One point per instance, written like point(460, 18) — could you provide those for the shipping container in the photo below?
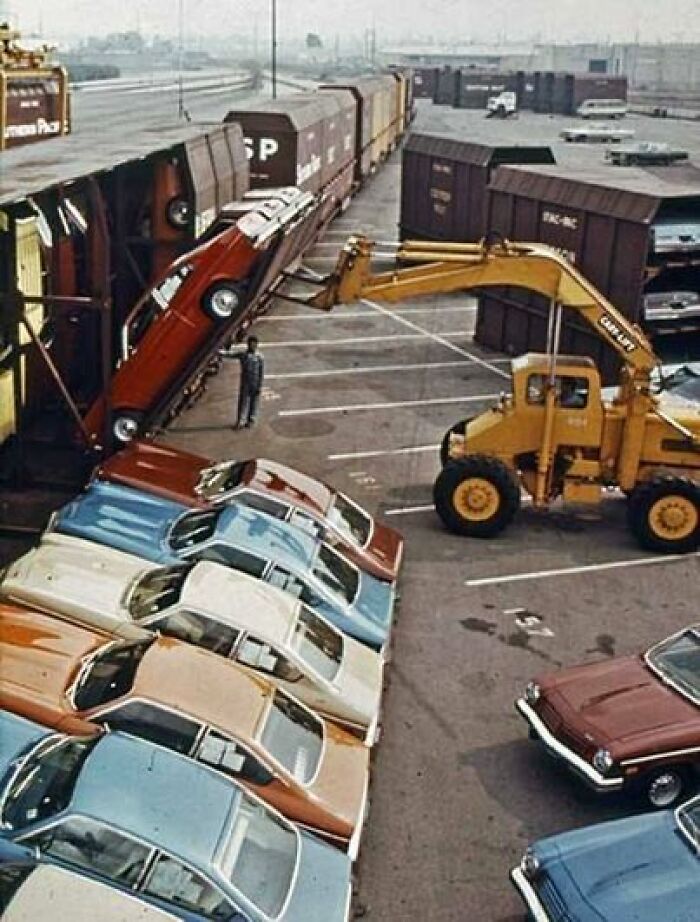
point(473, 88)
point(570, 90)
point(446, 86)
point(625, 233)
point(444, 185)
point(425, 82)
point(525, 89)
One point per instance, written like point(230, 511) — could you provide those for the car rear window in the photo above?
point(157, 590)
point(318, 644)
point(215, 481)
point(107, 675)
point(193, 528)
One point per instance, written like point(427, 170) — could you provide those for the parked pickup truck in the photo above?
point(645, 153)
point(596, 131)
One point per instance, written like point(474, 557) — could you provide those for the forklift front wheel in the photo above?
point(476, 496)
point(664, 515)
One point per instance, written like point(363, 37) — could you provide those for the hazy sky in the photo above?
point(457, 20)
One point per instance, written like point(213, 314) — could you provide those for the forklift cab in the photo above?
point(578, 404)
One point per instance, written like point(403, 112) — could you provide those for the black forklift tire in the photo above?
point(495, 496)
point(458, 428)
point(222, 301)
point(664, 514)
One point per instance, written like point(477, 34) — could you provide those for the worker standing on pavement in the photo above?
point(251, 382)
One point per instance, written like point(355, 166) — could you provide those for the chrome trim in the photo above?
point(575, 761)
point(676, 815)
point(348, 902)
point(527, 892)
point(373, 731)
point(361, 820)
point(670, 754)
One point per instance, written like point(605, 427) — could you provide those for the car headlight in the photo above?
point(532, 693)
point(178, 212)
point(603, 761)
point(530, 864)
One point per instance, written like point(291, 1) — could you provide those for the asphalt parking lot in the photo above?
point(361, 397)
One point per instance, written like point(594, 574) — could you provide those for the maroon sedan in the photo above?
point(629, 723)
point(264, 485)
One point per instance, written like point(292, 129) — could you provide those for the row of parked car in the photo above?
point(192, 669)
point(629, 724)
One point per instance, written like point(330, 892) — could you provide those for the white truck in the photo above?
point(503, 105)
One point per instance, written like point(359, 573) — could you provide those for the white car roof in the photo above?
point(248, 602)
point(66, 573)
point(54, 892)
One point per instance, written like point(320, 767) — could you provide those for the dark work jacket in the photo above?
point(252, 371)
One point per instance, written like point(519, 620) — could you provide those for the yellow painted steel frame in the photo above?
point(448, 267)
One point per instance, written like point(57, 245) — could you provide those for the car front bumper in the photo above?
point(534, 907)
point(558, 750)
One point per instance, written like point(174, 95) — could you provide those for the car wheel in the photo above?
point(665, 787)
point(126, 425)
point(664, 514)
point(222, 301)
point(476, 496)
point(459, 429)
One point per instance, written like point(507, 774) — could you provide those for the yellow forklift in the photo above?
point(553, 435)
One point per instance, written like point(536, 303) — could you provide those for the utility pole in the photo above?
point(274, 48)
point(181, 59)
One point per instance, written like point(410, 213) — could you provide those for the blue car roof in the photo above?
point(16, 735)
point(157, 795)
point(121, 517)
point(266, 536)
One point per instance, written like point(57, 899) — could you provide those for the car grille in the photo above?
point(571, 738)
point(553, 903)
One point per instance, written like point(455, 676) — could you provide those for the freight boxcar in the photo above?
point(444, 185)
point(446, 86)
point(570, 90)
point(424, 82)
point(34, 102)
point(473, 88)
point(630, 235)
point(377, 128)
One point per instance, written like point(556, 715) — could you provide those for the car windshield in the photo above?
point(340, 577)
point(318, 644)
point(107, 675)
point(193, 528)
point(350, 520)
point(152, 305)
point(689, 821)
point(293, 736)
point(44, 785)
point(260, 856)
point(219, 479)
point(678, 660)
point(157, 590)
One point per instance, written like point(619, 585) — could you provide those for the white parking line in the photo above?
point(572, 571)
point(410, 510)
point(351, 455)
point(351, 315)
point(372, 369)
point(354, 340)
point(342, 408)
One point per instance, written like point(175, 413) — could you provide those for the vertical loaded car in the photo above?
point(269, 486)
point(186, 312)
point(237, 537)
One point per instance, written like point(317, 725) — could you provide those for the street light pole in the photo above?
point(274, 49)
point(180, 56)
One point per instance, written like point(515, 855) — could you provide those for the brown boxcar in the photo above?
point(446, 86)
point(525, 89)
point(625, 233)
point(376, 119)
point(570, 90)
point(473, 88)
point(444, 185)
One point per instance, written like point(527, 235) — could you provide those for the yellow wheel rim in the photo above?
point(476, 499)
point(673, 517)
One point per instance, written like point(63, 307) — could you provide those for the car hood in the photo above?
point(639, 869)
point(386, 548)
point(619, 700)
point(375, 601)
point(342, 778)
point(120, 517)
point(360, 682)
point(321, 886)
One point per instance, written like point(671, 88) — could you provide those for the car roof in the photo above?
point(16, 734)
point(202, 685)
point(266, 536)
point(39, 654)
point(55, 891)
point(291, 485)
point(247, 601)
point(157, 795)
point(73, 571)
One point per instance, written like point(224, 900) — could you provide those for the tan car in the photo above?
point(227, 612)
point(197, 704)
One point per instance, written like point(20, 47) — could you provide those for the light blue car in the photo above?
point(239, 537)
point(172, 832)
point(640, 869)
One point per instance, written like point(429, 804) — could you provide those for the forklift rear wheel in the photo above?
point(459, 428)
point(222, 300)
point(476, 496)
point(664, 514)
point(126, 425)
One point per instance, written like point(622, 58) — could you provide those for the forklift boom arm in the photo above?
point(445, 267)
